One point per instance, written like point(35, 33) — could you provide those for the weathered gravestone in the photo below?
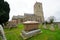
point(58, 25)
point(11, 24)
point(52, 27)
point(2, 33)
point(45, 26)
point(30, 29)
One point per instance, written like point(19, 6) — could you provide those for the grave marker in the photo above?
point(2, 33)
point(30, 29)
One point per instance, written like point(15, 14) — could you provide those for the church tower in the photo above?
point(38, 10)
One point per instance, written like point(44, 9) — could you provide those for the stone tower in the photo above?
point(38, 10)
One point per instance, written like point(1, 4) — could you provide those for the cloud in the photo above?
point(51, 7)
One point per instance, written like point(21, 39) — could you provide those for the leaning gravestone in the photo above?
point(30, 29)
point(2, 33)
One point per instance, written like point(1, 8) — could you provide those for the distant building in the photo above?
point(37, 16)
point(31, 17)
point(38, 10)
point(19, 19)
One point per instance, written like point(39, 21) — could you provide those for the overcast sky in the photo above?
point(19, 7)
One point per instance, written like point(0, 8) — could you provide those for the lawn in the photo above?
point(14, 34)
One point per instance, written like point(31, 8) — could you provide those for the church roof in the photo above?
point(16, 17)
point(19, 16)
point(26, 14)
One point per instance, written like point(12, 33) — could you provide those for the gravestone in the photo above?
point(2, 33)
point(58, 26)
point(30, 29)
point(52, 27)
point(45, 27)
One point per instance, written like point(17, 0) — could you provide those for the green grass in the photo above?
point(14, 34)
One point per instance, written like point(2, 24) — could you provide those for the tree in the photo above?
point(4, 12)
point(51, 19)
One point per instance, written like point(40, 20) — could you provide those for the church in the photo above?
point(37, 16)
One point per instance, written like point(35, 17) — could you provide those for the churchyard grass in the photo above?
point(14, 34)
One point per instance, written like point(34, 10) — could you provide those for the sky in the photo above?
point(19, 7)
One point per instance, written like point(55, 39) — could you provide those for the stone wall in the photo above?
point(11, 24)
point(32, 18)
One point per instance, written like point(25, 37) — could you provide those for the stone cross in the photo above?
point(2, 33)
